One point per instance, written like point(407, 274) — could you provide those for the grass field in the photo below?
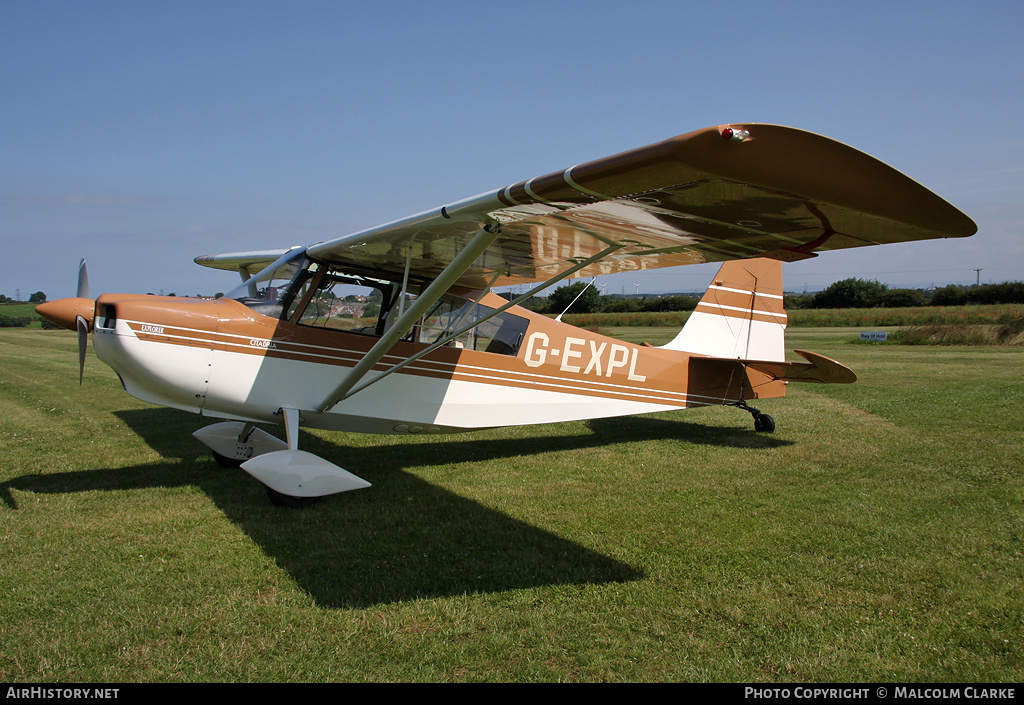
point(876, 536)
point(18, 309)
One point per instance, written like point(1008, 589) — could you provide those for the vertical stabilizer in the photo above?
point(740, 316)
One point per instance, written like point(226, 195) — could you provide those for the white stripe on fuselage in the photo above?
point(244, 345)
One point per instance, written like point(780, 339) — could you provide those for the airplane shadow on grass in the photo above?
point(402, 539)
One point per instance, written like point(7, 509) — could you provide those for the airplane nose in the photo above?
point(64, 312)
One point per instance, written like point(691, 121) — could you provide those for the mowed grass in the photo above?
point(876, 536)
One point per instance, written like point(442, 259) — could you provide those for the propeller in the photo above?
point(83, 280)
point(80, 323)
point(83, 346)
point(74, 314)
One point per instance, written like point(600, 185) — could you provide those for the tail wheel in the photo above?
point(763, 423)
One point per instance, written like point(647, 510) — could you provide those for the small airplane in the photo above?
point(396, 329)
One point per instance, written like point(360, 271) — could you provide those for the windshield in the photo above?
point(269, 291)
point(349, 302)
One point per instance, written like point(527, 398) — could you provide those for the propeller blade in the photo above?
point(83, 344)
point(83, 280)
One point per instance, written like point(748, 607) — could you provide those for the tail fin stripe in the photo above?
point(745, 300)
point(747, 292)
point(744, 309)
point(743, 313)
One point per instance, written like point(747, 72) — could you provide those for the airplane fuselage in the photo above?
point(221, 359)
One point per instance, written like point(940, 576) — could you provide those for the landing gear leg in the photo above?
point(226, 461)
point(295, 478)
point(234, 442)
point(763, 423)
point(291, 431)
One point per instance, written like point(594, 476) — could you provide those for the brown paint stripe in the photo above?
point(422, 368)
point(743, 299)
point(757, 315)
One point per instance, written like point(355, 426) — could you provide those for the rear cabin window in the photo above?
point(501, 334)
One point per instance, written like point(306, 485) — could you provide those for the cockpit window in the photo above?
point(500, 334)
point(349, 302)
point(336, 299)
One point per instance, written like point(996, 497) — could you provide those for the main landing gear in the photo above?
point(286, 500)
point(763, 423)
point(293, 478)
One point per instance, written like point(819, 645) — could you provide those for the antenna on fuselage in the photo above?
point(590, 283)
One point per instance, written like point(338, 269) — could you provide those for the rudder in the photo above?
point(740, 316)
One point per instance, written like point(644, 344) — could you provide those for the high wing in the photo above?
point(721, 193)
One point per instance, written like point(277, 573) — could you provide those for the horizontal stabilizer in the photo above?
point(818, 368)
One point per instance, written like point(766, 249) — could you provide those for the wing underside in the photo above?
point(770, 191)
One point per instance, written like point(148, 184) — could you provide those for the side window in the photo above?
point(501, 334)
point(357, 303)
point(347, 303)
point(506, 335)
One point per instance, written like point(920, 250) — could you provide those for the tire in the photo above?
point(226, 462)
point(287, 500)
point(763, 423)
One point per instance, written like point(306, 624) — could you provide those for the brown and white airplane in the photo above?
point(395, 329)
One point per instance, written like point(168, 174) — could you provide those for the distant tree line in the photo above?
point(1005, 293)
point(20, 321)
point(870, 293)
point(581, 297)
point(848, 293)
point(36, 298)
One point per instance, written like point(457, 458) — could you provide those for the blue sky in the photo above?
point(141, 134)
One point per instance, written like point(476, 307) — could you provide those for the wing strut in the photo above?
point(405, 277)
point(451, 273)
point(514, 302)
